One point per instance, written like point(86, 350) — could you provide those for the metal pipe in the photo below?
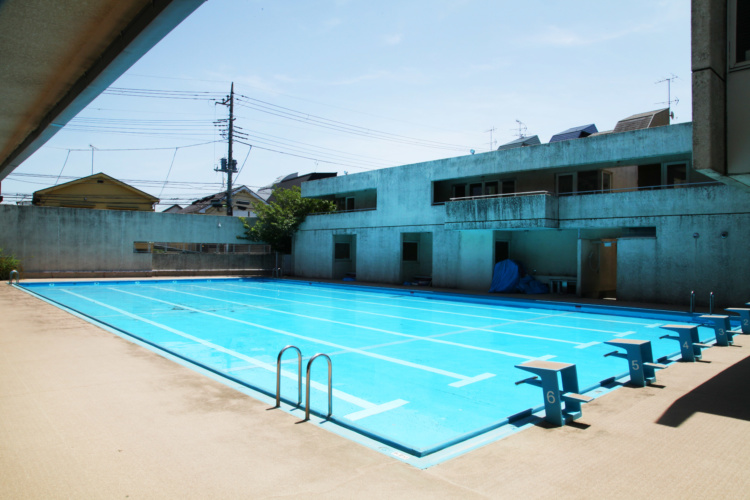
point(711, 303)
point(692, 301)
point(10, 281)
point(330, 386)
point(299, 375)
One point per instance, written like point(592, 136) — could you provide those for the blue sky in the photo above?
point(350, 85)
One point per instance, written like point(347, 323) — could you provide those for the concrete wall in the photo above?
point(709, 65)
point(552, 236)
point(51, 239)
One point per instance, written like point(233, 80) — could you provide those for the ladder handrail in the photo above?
point(299, 375)
point(10, 280)
point(330, 386)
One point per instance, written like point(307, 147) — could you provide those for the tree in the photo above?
point(279, 220)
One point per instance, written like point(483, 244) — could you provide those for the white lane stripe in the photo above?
point(310, 339)
point(468, 381)
point(518, 310)
point(507, 320)
point(545, 358)
point(584, 346)
point(260, 364)
point(377, 314)
point(380, 330)
point(624, 334)
point(375, 410)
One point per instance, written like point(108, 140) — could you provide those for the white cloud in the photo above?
point(555, 35)
point(394, 39)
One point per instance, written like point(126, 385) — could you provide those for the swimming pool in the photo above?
point(418, 371)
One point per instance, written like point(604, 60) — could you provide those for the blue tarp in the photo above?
point(510, 277)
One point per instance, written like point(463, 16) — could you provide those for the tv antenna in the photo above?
point(521, 133)
point(669, 100)
point(492, 143)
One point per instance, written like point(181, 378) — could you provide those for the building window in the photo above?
point(502, 251)
point(342, 251)
point(350, 203)
point(509, 187)
point(490, 188)
point(676, 174)
point(739, 33)
point(410, 251)
point(565, 184)
point(459, 190)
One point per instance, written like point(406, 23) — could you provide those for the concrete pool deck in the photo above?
point(87, 414)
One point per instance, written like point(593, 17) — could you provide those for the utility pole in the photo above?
point(228, 164)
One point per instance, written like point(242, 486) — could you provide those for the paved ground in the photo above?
point(86, 414)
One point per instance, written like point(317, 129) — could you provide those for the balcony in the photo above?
point(535, 209)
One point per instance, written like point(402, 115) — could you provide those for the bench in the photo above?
point(423, 280)
point(553, 396)
point(559, 284)
point(640, 360)
point(690, 345)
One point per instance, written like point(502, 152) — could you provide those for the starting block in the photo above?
point(744, 317)
point(553, 397)
point(640, 360)
point(690, 344)
point(722, 330)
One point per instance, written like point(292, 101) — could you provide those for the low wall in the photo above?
point(73, 242)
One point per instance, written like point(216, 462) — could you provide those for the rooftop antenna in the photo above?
point(492, 143)
point(669, 100)
point(521, 129)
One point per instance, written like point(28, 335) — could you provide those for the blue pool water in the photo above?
point(419, 371)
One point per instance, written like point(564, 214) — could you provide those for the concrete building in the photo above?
point(289, 181)
point(601, 215)
point(721, 90)
point(216, 204)
point(98, 191)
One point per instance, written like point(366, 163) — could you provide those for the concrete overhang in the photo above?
point(59, 55)
point(637, 147)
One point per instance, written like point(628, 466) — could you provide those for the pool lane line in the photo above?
point(376, 410)
point(390, 332)
point(518, 310)
point(310, 339)
point(512, 334)
point(445, 334)
point(349, 398)
point(509, 320)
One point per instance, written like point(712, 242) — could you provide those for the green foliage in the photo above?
point(280, 219)
point(7, 264)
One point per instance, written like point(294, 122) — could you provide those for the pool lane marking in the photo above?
point(468, 381)
point(509, 320)
point(383, 315)
point(375, 410)
point(584, 346)
point(654, 325)
point(380, 330)
point(311, 339)
point(625, 334)
point(518, 310)
point(260, 364)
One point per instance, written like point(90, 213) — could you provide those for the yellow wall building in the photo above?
point(98, 191)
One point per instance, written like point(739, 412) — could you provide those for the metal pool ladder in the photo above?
point(10, 281)
point(299, 375)
point(299, 380)
point(330, 390)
